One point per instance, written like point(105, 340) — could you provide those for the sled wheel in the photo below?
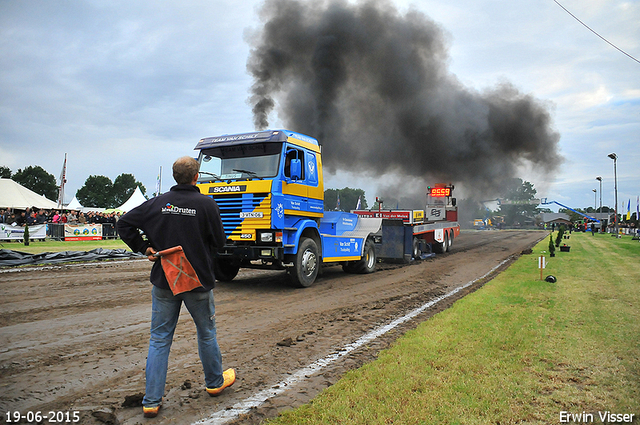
point(417, 252)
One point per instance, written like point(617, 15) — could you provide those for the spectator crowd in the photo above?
point(33, 216)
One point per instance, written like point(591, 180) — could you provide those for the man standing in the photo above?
point(187, 218)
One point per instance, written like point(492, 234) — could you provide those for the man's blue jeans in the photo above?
point(164, 317)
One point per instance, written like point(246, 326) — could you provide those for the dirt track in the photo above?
point(75, 338)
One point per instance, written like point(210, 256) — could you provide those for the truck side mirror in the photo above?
point(296, 169)
point(453, 202)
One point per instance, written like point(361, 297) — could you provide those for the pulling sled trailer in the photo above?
point(431, 230)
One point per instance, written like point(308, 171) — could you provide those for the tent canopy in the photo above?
point(74, 205)
point(14, 195)
point(136, 199)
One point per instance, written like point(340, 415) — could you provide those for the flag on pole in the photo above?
point(629, 210)
point(338, 203)
point(358, 204)
point(638, 208)
point(159, 182)
point(63, 180)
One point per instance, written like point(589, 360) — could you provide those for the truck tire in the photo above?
point(307, 263)
point(367, 264)
point(417, 252)
point(446, 244)
point(225, 270)
point(440, 247)
point(349, 267)
point(449, 241)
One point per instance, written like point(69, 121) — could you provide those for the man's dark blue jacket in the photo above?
point(182, 216)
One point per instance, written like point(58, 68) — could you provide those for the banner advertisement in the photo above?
point(16, 233)
point(82, 232)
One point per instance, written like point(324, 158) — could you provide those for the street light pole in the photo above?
point(615, 185)
point(600, 180)
point(602, 229)
point(595, 199)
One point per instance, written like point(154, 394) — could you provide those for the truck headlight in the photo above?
point(266, 237)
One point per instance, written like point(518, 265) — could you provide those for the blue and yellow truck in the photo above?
point(269, 187)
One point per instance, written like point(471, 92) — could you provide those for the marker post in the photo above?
point(542, 264)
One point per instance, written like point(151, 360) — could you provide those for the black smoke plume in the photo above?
point(373, 86)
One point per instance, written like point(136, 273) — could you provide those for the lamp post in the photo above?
point(615, 185)
point(600, 180)
point(595, 199)
point(602, 229)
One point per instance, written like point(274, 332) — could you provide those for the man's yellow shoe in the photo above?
point(150, 412)
point(229, 376)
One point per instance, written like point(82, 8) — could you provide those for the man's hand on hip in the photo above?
point(150, 253)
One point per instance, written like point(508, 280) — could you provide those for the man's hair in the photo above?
point(185, 169)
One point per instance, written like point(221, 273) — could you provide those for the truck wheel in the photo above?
point(449, 241)
point(417, 252)
point(367, 264)
point(306, 264)
point(349, 267)
point(440, 247)
point(225, 270)
point(446, 244)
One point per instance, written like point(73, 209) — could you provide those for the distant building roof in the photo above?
point(555, 217)
point(601, 216)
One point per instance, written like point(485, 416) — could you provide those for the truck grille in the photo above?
point(232, 205)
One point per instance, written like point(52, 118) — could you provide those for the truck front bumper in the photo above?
point(252, 252)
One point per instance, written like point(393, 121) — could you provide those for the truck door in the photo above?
point(315, 190)
point(295, 188)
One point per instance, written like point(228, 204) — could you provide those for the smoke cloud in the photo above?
point(373, 86)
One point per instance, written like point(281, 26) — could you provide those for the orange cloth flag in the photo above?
point(178, 270)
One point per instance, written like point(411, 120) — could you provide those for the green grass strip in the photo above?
point(519, 350)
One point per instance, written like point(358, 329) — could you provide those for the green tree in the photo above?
point(96, 192)
point(5, 172)
point(123, 187)
point(348, 199)
point(37, 179)
point(518, 207)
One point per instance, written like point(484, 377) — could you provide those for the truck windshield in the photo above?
point(259, 160)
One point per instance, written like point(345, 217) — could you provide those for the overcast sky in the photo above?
point(129, 86)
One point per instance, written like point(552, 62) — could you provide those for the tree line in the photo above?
point(97, 191)
point(348, 199)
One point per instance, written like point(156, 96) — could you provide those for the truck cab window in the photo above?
point(293, 154)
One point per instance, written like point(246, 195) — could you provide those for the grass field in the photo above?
point(38, 247)
point(519, 350)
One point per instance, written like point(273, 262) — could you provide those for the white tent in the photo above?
point(74, 205)
point(136, 199)
point(14, 195)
